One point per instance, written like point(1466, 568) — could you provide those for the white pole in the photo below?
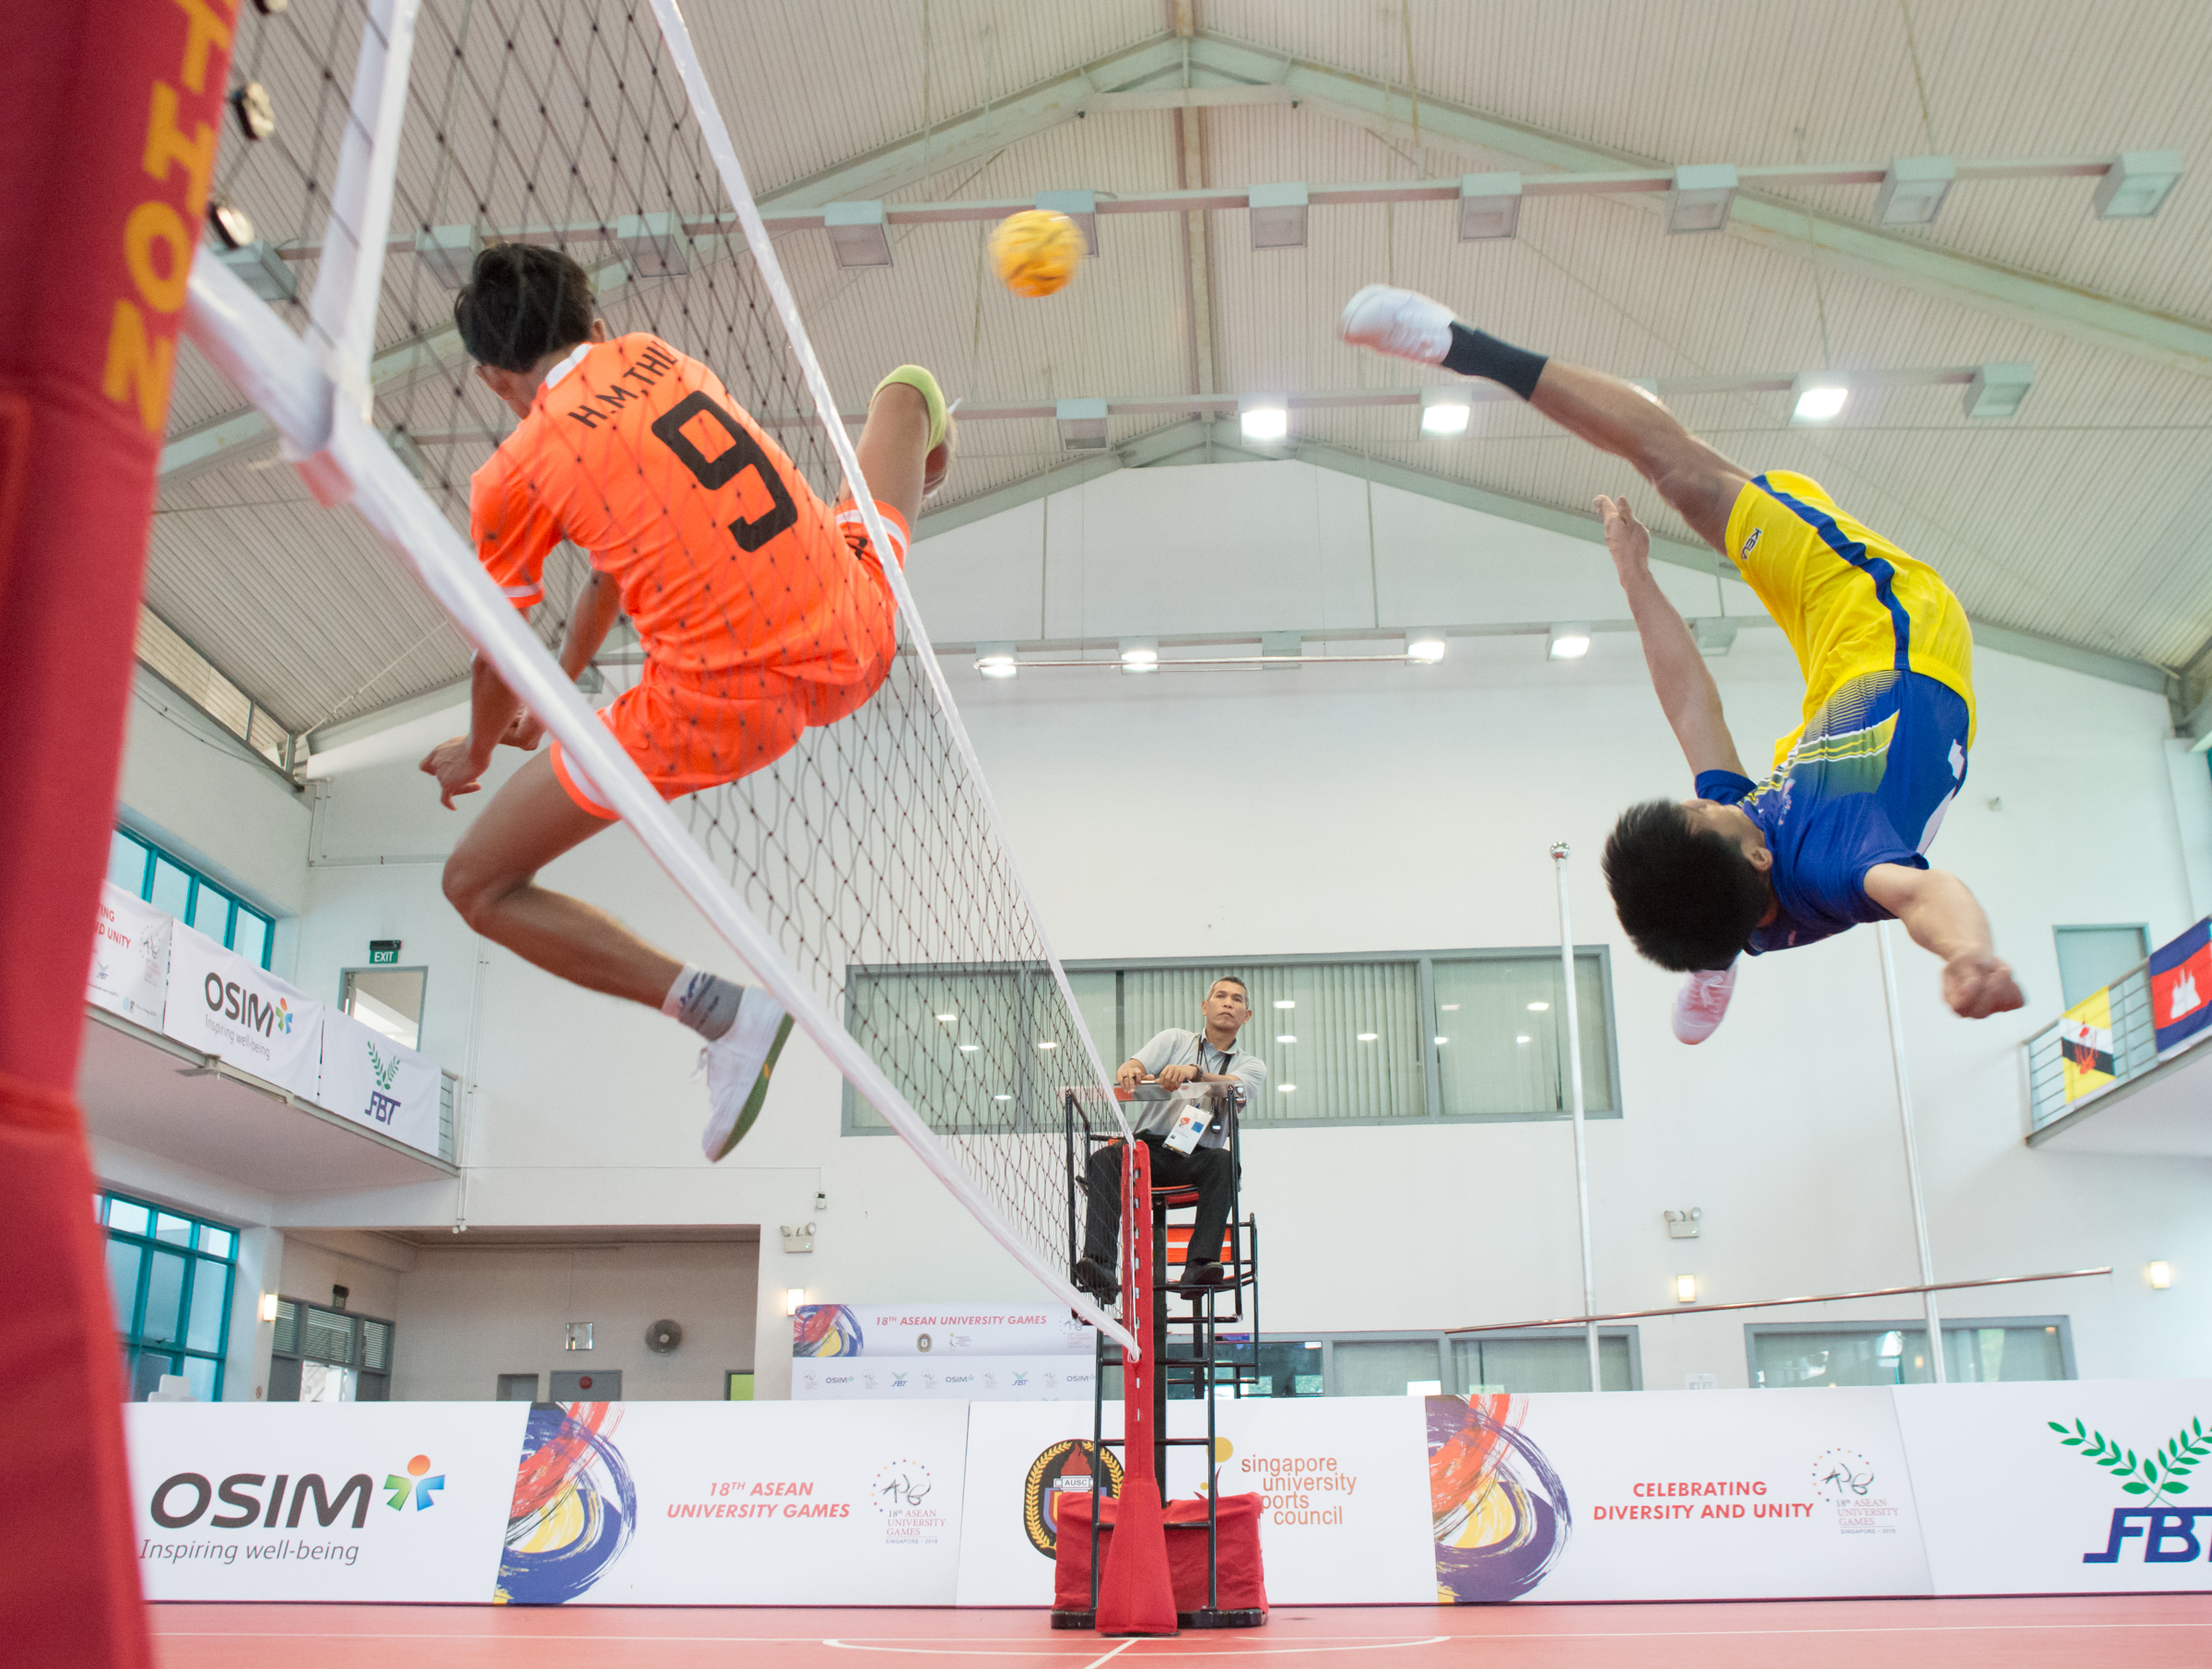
point(1904, 1113)
point(1574, 1081)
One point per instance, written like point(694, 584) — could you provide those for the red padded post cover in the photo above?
point(1243, 1584)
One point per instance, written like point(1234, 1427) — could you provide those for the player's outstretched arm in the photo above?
point(1687, 692)
point(1944, 918)
point(598, 606)
point(459, 763)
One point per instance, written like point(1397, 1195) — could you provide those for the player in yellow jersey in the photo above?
point(1836, 834)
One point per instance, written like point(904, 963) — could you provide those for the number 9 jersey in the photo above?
point(760, 609)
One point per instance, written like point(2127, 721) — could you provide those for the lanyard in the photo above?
point(1227, 1055)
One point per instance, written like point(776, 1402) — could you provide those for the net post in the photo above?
point(1136, 1596)
point(1573, 1051)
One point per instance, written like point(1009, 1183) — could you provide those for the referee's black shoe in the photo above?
point(1197, 1275)
point(1094, 1277)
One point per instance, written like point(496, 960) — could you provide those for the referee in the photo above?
point(1173, 1058)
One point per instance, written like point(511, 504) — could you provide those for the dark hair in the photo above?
point(522, 302)
point(1230, 979)
point(1687, 895)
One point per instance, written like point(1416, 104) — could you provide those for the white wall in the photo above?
point(1391, 808)
point(466, 1316)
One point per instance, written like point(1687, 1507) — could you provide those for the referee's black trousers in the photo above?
point(1211, 1171)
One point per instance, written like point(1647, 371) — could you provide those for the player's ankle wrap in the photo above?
point(1477, 353)
point(919, 379)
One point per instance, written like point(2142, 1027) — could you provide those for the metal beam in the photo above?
point(2083, 315)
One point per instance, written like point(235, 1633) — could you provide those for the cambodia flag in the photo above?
point(2180, 986)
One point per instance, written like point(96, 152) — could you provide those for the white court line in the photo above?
point(1097, 1663)
point(1360, 1643)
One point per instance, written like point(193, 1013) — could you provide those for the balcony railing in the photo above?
point(2134, 1051)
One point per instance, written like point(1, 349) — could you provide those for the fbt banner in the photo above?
point(226, 1006)
point(379, 1084)
point(130, 957)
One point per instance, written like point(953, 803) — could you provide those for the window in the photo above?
point(1469, 1035)
point(2089, 958)
point(1415, 1364)
point(170, 1279)
point(387, 999)
point(1552, 1358)
point(1896, 1353)
point(329, 1356)
point(184, 669)
point(138, 866)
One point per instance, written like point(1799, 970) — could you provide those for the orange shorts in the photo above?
point(688, 731)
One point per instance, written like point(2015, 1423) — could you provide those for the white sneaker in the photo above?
point(1398, 322)
point(737, 1064)
point(1701, 1001)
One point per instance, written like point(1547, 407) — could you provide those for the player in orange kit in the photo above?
point(761, 611)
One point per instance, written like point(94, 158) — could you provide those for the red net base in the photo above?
point(1243, 1586)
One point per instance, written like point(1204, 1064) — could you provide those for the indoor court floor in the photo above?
point(2147, 1631)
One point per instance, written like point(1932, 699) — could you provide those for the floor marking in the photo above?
point(1117, 1651)
point(1341, 1643)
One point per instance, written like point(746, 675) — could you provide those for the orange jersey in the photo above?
point(726, 560)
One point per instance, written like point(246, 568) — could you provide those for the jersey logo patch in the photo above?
point(1751, 542)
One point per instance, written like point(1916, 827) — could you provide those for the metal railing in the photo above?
point(2134, 1051)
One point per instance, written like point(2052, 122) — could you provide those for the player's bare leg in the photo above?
point(491, 879)
point(906, 444)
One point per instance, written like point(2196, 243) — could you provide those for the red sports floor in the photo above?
point(2143, 1632)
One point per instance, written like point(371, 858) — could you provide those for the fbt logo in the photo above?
point(2167, 1533)
point(234, 1001)
point(382, 1103)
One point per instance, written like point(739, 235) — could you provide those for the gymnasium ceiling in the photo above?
point(2084, 520)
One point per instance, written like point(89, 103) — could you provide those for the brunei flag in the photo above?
point(2180, 986)
point(2084, 1042)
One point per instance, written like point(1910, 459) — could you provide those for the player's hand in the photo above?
point(1627, 539)
point(525, 731)
point(1175, 1077)
point(455, 771)
point(1977, 985)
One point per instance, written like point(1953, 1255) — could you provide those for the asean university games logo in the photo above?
point(418, 1482)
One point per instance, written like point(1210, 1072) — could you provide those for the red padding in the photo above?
point(1243, 1584)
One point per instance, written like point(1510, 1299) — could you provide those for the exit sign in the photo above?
point(383, 953)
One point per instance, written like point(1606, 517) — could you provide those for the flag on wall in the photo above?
point(2180, 986)
point(2085, 1038)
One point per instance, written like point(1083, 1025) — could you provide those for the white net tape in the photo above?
point(864, 874)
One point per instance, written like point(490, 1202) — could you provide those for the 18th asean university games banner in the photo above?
point(2057, 1488)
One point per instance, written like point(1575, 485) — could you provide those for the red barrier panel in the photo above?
point(112, 112)
point(1243, 1584)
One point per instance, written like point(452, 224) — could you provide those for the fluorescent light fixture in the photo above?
point(858, 236)
point(1286, 1002)
point(1445, 411)
point(1368, 1037)
point(1913, 189)
point(1286, 1037)
point(1716, 634)
point(1082, 207)
point(1442, 1041)
point(1816, 396)
point(1048, 1043)
point(266, 272)
point(1523, 1039)
point(1538, 1007)
point(1278, 215)
point(658, 246)
point(2135, 187)
point(996, 660)
point(2160, 1274)
point(1569, 641)
point(970, 1048)
point(1286, 1089)
point(268, 1306)
point(1997, 390)
point(1002, 1098)
point(1489, 206)
point(793, 1298)
point(1082, 423)
point(949, 1020)
point(1686, 1290)
point(1426, 644)
point(1140, 654)
point(1449, 1007)
point(1702, 197)
point(1263, 418)
point(449, 253)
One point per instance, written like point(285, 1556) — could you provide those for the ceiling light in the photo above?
point(1913, 189)
point(1278, 215)
point(1082, 207)
point(1285, 1089)
point(1521, 1039)
point(266, 273)
point(1368, 1037)
point(948, 1019)
point(858, 236)
point(1047, 1043)
point(1570, 643)
point(1445, 411)
point(1286, 1037)
point(1140, 654)
point(2135, 187)
point(1702, 197)
point(970, 1048)
point(1002, 1098)
point(1449, 1007)
point(1286, 1002)
point(1263, 418)
point(1997, 390)
point(1426, 644)
point(1686, 1290)
point(1489, 205)
point(1715, 634)
point(996, 660)
point(1817, 396)
point(1082, 423)
point(2160, 1274)
point(1442, 1041)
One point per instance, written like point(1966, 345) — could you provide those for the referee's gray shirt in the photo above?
point(1175, 1047)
